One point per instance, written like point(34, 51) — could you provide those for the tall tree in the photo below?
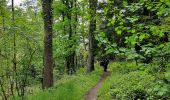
point(70, 58)
point(48, 55)
point(68, 14)
point(92, 28)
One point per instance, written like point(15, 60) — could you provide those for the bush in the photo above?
point(138, 94)
point(131, 82)
point(133, 85)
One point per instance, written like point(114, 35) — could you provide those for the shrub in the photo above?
point(131, 82)
point(132, 85)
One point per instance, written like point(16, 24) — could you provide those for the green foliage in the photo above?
point(129, 22)
point(129, 81)
point(70, 87)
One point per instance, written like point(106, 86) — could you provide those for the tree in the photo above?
point(70, 58)
point(15, 52)
point(48, 55)
point(68, 10)
point(92, 28)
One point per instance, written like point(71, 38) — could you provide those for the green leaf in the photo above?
point(119, 32)
point(133, 31)
point(149, 7)
point(141, 37)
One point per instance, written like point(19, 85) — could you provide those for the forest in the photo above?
point(84, 49)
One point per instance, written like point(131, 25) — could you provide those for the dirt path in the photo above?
point(92, 94)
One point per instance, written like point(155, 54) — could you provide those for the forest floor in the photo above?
point(92, 93)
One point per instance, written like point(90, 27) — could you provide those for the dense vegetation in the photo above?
point(138, 82)
point(52, 49)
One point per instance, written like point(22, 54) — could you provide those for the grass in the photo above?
point(104, 92)
point(72, 87)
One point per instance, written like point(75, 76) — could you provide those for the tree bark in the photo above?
point(92, 28)
point(48, 55)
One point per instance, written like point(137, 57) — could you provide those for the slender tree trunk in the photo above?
point(70, 59)
point(92, 29)
point(15, 52)
point(75, 29)
point(64, 30)
point(14, 39)
point(25, 79)
point(48, 55)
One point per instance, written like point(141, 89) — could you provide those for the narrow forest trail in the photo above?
point(92, 93)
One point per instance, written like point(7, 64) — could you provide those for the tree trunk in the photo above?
point(14, 37)
point(75, 32)
point(48, 55)
point(15, 53)
point(70, 59)
point(92, 28)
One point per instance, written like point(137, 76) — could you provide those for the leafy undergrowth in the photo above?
point(70, 87)
point(131, 82)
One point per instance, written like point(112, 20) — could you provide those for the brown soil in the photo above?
point(92, 94)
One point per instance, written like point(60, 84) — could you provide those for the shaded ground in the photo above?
point(92, 94)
